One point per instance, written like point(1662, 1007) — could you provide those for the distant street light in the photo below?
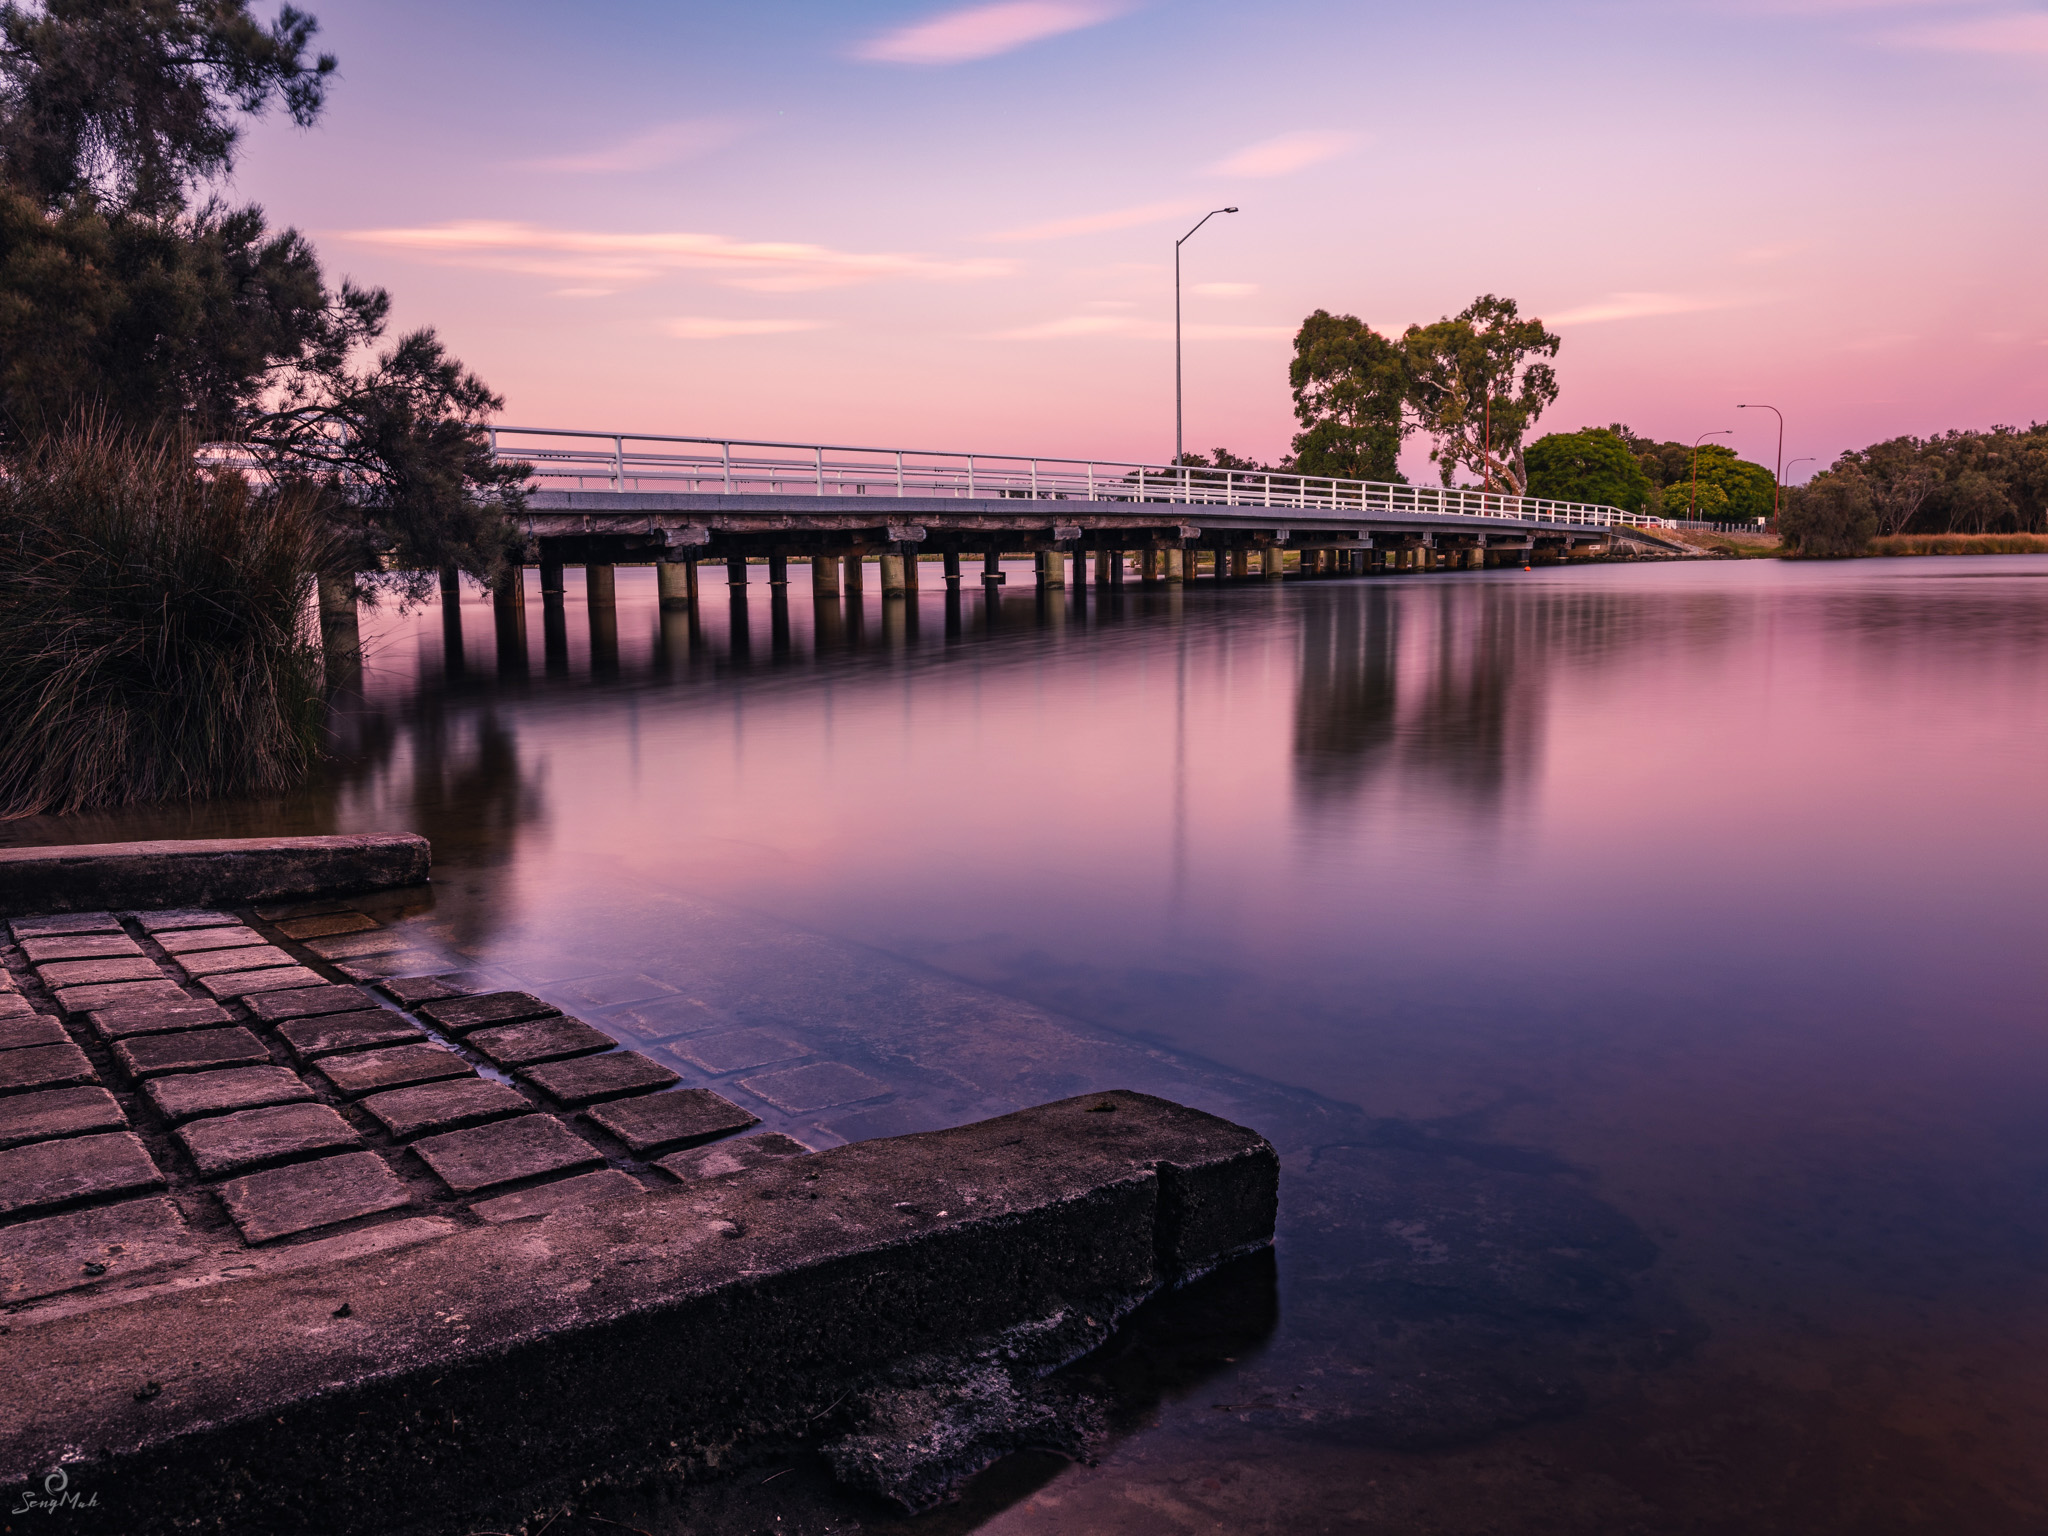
point(1693, 500)
point(1779, 483)
point(1804, 458)
point(1179, 443)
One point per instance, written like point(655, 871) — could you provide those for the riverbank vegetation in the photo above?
point(145, 321)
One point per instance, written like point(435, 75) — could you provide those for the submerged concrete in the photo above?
point(85, 877)
point(481, 1371)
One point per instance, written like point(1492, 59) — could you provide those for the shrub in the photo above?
point(157, 634)
point(1832, 517)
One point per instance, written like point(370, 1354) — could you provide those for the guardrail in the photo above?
point(633, 461)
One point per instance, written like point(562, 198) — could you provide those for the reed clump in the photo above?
point(157, 631)
point(1961, 544)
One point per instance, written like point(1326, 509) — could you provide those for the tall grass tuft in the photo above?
point(157, 631)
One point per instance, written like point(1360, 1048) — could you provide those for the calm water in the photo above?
point(1706, 899)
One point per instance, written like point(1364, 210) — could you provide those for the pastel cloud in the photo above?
point(716, 327)
point(1285, 154)
point(983, 31)
point(650, 149)
point(2009, 32)
point(617, 257)
point(1094, 223)
point(1632, 306)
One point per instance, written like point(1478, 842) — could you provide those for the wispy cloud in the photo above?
point(1285, 154)
point(648, 150)
point(715, 327)
point(598, 256)
point(1094, 223)
point(2010, 32)
point(1069, 327)
point(983, 31)
point(1633, 306)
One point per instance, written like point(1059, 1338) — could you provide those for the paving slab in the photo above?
point(444, 1106)
point(587, 1079)
point(460, 1015)
point(544, 1200)
point(326, 925)
point(735, 1050)
point(91, 973)
point(821, 1085)
point(157, 1018)
point(656, 1022)
point(309, 1002)
point(611, 990)
point(191, 941)
point(181, 917)
point(119, 994)
point(284, 911)
point(192, 1050)
point(7, 982)
point(731, 1156)
point(55, 1112)
point(402, 962)
point(666, 1122)
point(13, 1005)
point(284, 1201)
point(19, 1031)
point(519, 1045)
point(398, 1066)
point(504, 1153)
point(44, 1066)
point(79, 946)
point(310, 1039)
point(237, 957)
point(47, 1174)
point(65, 922)
point(278, 979)
point(409, 990)
point(249, 1138)
point(107, 1245)
point(356, 946)
point(189, 1095)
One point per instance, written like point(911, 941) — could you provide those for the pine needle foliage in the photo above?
point(158, 638)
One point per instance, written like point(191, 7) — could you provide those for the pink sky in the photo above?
point(953, 227)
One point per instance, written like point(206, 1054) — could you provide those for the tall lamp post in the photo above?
point(1778, 485)
point(1804, 458)
point(1693, 500)
point(1179, 445)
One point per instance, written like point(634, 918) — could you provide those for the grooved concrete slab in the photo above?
point(92, 973)
point(583, 1189)
point(308, 1002)
point(737, 1049)
point(239, 957)
point(54, 1112)
point(80, 946)
point(444, 1106)
point(193, 1050)
point(505, 1153)
point(662, 1122)
point(44, 1066)
point(821, 1085)
point(191, 941)
point(13, 1005)
point(355, 946)
point(285, 1201)
point(279, 979)
point(399, 1066)
point(587, 1079)
point(518, 1045)
point(311, 1039)
point(665, 1020)
point(409, 990)
point(748, 1152)
point(608, 991)
point(181, 917)
point(226, 1144)
point(189, 1095)
point(119, 994)
point(462, 1014)
point(157, 1019)
point(20, 1031)
point(65, 922)
point(325, 925)
point(108, 1245)
point(402, 962)
point(46, 1174)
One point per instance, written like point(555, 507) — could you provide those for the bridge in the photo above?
point(603, 498)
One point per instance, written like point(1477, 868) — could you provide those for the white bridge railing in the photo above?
point(632, 461)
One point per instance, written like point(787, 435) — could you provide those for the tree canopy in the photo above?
point(1350, 395)
point(1591, 466)
point(121, 301)
point(1729, 486)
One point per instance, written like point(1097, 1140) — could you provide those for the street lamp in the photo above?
point(1179, 444)
point(1778, 485)
point(1693, 500)
point(1804, 458)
